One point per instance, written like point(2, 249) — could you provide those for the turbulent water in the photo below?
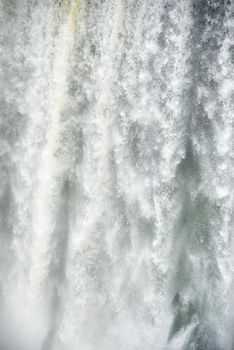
point(117, 175)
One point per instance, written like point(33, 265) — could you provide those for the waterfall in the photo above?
point(117, 175)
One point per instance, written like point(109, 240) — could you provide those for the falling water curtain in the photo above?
point(117, 174)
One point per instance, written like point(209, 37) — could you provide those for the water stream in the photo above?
point(117, 174)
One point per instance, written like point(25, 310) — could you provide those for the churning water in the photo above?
point(117, 175)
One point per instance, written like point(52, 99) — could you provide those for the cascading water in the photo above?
point(117, 174)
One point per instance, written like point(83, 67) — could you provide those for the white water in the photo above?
point(117, 174)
